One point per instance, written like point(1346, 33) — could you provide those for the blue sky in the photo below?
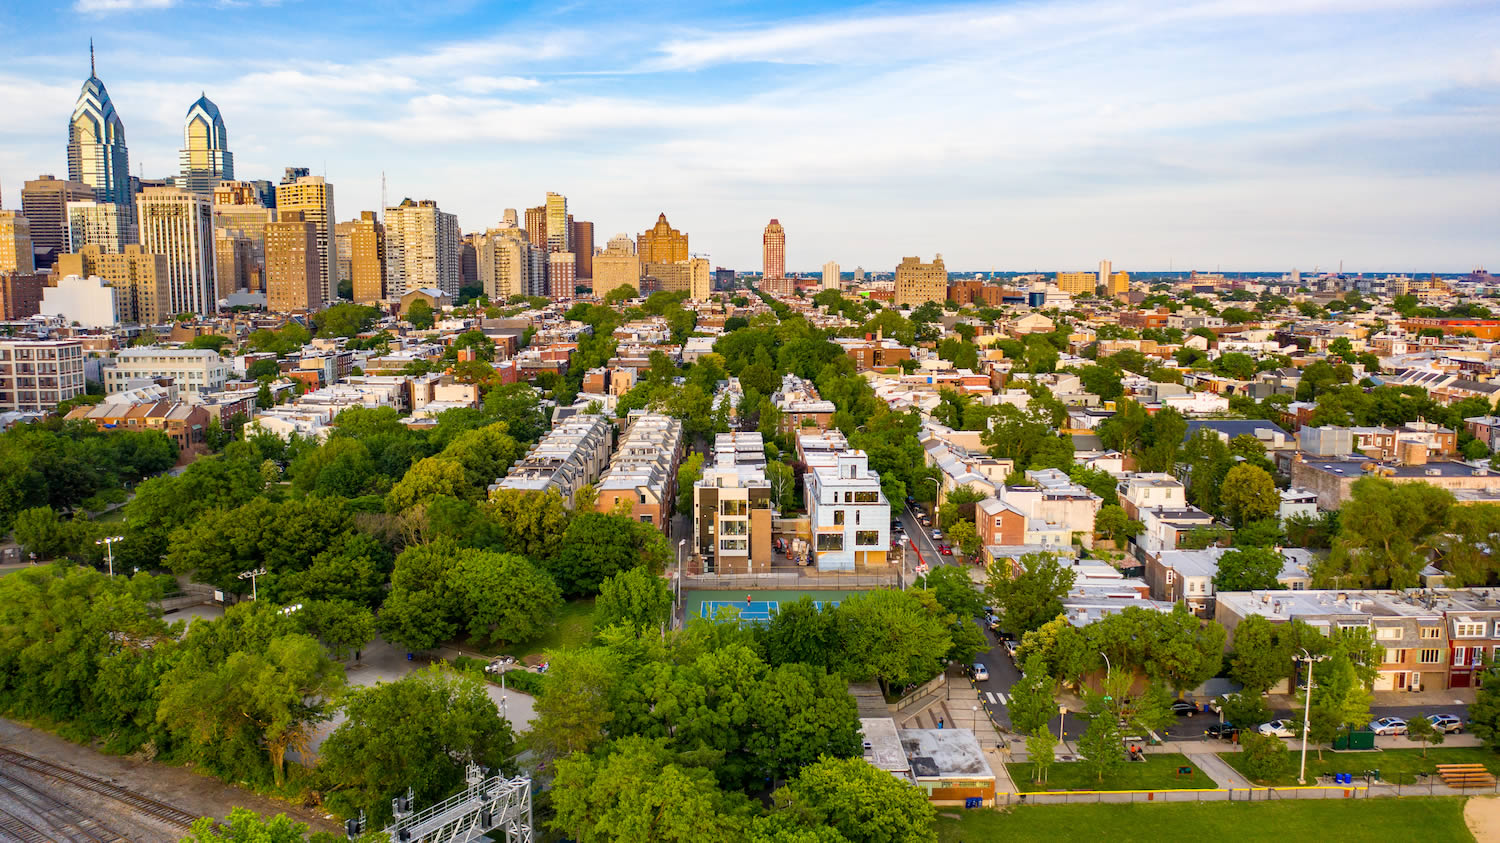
point(1259, 134)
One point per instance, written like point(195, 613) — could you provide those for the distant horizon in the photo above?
point(1293, 134)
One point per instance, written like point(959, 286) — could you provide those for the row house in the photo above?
point(801, 407)
point(642, 475)
point(184, 424)
point(570, 456)
point(1486, 429)
point(1043, 516)
point(1187, 576)
point(960, 467)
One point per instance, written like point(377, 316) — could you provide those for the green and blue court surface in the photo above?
point(756, 606)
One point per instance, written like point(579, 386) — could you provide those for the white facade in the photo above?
point(180, 225)
point(847, 511)
point(195, 370)
point(90, 302)
point(831, 275)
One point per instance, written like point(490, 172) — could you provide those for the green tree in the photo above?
point(1041, 748)
point(1030, 597)
point(1032, 702)
point(503, 597)
point(1249, 494)
point(965, 537)
point(533, 523)
point(954, 590)
point(1385, 533)
point(1112, 522)
point(893, 636)
point(859, 802)
point(1266, 758)
point(43, 533)
point(1484, 712)
point(430, 478)
point(688, 473)
point(246, 826)
point(212, 342)
point(598, 545)
point(1248, 569)
point(420, 315)
point(418, 732)
point(1262, 656)
point(637, 598)
point(1100, 746)
point(574, 713)
point(342, 626)
point(1419, 728)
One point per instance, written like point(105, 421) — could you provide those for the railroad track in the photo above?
point(21, 830)
point(59, 816)
point(145, 805)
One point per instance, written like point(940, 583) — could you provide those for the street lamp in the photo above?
point(109, 550)
point(677, 605)
point(251, 575)
point(1306, 709)
point(289, 609)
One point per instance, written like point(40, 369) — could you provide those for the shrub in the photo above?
point(1266, 758)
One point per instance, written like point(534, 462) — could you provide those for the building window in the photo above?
point(867, 497)
point(1387, 633)
point(1468, 630)
point(735, 528)
point(733, 507)
point(1460, 656)
point(1395, 656)
point(1430, 657)
point(838, 516)
point(848, 497)
point(1432, 632)
point(867, 538)
point(830, 541)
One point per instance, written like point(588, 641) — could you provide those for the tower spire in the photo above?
point(91, 58)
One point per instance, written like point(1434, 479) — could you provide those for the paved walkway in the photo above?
point(958, 706)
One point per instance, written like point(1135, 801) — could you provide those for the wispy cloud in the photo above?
point(97, 7)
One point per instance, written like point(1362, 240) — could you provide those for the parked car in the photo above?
point(1216, 705)
point(937, 535)
point(1445, 723)
point(1184, 708)
point(1278, 729)
point(1389, 726)
point(979, 672)
point(945, 550)
point(1223, 731)
point(1010, 649)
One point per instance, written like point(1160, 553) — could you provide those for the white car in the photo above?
point(981, 673)
point(1389, 726)
point(1445, 723)
point(937, 535)
point(1277, 729)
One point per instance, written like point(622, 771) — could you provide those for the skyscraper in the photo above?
point(559, 238)
point(15, 243)
point(44, 202)
point(663, 243)
point(98, 224)
point(240, 207)
point(314, 198)
point(536, 226)
point(97, 155)
point(562, 275)
point(583, 247)
point(205, 157)
point(918, 283)
point(618, 265)
point(367, 258)
point(421, 248)
point(504, 261)
point(179, 224)
point(831, 279)
point(292, 264)
point(773, 251)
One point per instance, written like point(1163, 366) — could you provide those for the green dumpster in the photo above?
point(1362, 739)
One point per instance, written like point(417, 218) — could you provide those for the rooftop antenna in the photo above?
point(91, 57)
point(382, 195)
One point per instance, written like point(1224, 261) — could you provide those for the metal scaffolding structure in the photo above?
point(489, 803)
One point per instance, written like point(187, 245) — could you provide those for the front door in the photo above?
point(1401, 681)
point(1416, 681)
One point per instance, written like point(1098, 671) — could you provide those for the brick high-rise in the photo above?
point(773, 251)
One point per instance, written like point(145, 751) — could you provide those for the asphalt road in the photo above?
point(921, 537)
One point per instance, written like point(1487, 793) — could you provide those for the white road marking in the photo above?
point(991, 697)
point(1003, 700)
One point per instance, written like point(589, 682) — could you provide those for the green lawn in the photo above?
point(1397, 766)
point(574, 628)
point(1159, 772)
point(1327, 821)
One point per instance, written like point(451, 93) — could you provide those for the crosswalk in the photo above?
point(996, 697)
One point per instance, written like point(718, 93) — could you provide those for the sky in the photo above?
point(1181, 134)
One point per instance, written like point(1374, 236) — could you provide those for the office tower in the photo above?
point(918, 283)
point(562, 275)
point(559, 238)
point(205, 159)
point(509, 219)
point(139, 279)
point(20, 295)
point(239, 207)
point(293, 268)
point(15, 243)
point(616, 266)
point(234, 262)
point(773, 251)
point(97, 155)
point(536, 226)
point(344, 269)
point(663, 243)
point(859, 275)
point(1104, 273)
point(314, 198)
point(583, 247)
point(44, 203)
point(99, 224)
point(293, 174)
point(831, 279)
point(179, 224)
point(367, 258)
point(1076, 283)
point(421, 249)
point(700, 279)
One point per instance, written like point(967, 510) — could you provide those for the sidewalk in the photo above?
point(958, 707)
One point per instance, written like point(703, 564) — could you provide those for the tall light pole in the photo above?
point(1306, 710)
point(251, 575)
point(677, 604)
point(109, 550)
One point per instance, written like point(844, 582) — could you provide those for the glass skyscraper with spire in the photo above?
point(205, 156)
point(97, 155)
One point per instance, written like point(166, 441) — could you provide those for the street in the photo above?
point(921, 538)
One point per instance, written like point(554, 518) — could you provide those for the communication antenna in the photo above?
point(382, 196)
point(91, 57)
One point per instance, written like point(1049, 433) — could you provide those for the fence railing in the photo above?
point(811, 582)
point(1432, 786)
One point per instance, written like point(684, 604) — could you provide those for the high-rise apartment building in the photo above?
point(97, 155)
point(700, 279)
point(583, 246)
point(562, 275)
point(44, 203)
point(1076, 283)
point(1104, 273)
point(504, 259)
point(205, 159)
point(313, 196)
point(367, 258)
point(179, 224)
point(859, 275)
point(536, 226)
point(292, 264)
point(773, 251)
point(15, 243)
point(918, 283)
point(421, 249)
point(234, 262)
point(343, 271)
point(559, 235)
point(37, 375)
point(239, 207)
point(831, 278)
point(20, 295)
point(99, 224)
point(617, 266)
point(663, 243)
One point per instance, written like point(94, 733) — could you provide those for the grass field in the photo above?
point(1158, 772)
point(1397, 766)
point(575, 628)
point(1326, 821)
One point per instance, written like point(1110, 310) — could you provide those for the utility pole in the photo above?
point(109, 541)
point(1306, 710)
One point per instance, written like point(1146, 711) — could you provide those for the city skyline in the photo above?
point(1007, 136)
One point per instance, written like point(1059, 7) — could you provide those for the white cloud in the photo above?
point(97, 7)
point(491, 84)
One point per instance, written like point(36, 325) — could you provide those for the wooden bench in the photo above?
point(1465, 775)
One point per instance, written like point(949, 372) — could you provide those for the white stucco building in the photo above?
point(195, 370)
point(90, 302)
point(847, 511)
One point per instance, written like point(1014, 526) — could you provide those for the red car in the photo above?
point(945, 550)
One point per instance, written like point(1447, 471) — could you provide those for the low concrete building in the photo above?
point(195, 370)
